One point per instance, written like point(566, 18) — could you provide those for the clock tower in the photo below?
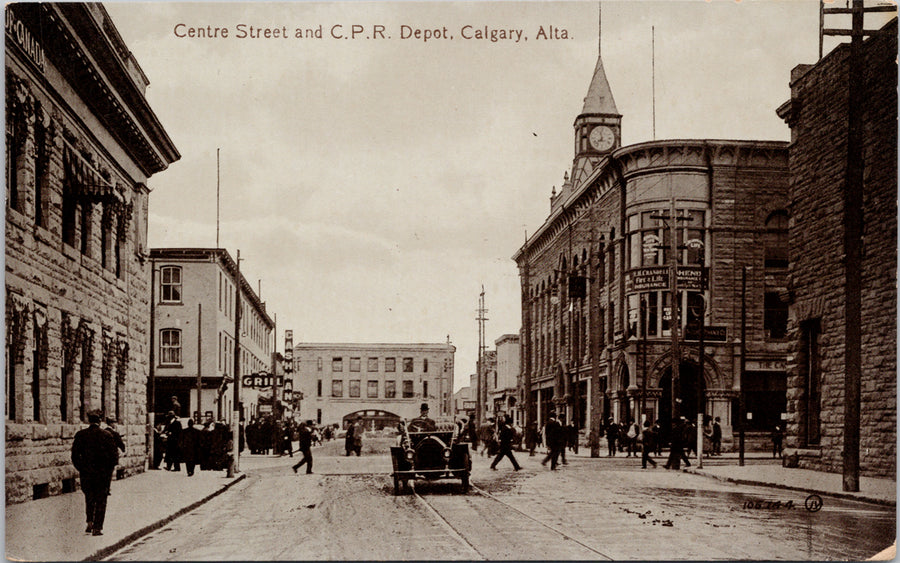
point(597, 128)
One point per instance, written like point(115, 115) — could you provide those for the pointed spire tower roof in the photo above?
point(599, 97)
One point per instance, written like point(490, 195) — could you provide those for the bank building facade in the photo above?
point(599, 337)
point(81, 144)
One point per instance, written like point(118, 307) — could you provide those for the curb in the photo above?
point(134, 536)
point(845, 496)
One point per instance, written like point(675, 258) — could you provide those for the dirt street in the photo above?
point(589, 509)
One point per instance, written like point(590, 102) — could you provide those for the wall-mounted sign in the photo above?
point(654, 278)
point(262, 379)
point(711, 333)
point(765, 365)
point(20, 35)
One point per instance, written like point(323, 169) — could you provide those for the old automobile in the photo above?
point(429, 450)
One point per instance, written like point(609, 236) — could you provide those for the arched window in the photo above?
point(170, 281)
point(170, 347)
point(776, 240)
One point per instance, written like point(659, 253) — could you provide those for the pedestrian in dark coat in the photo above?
point(190, 447)
point(173, 443)
point(94, 455)
point(777, 436)
point(612, 434)
point(648, 444)
point(716, 438)
point(507, 435)
point(348, 439)
point(555, 441)
point(117, 438)
point(305, 447)
point(473, 434)
point(531, 438)
point(676, 449)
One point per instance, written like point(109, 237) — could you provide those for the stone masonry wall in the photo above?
point(49, 282)
point(818, 161)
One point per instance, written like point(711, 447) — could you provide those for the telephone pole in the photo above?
point(481, 391)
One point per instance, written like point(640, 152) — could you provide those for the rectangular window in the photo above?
point(390, 389)
point(354, 364)
point(390, 364)
point(407, 365)
point(372, 364)
point(337, 388)
point(372, 390)
point(170, 280)
point(170, 347)
point(425, 387)
point(319, 388)
point(354, 388)
point(407, 388)
point(337, 364)
point(425, 365)
point(775, 318)
point(319, 364)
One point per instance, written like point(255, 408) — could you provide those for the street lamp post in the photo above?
point(741, 406)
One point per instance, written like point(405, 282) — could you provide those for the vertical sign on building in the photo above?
point(289, 351)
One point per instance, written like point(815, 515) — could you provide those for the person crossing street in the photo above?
point(305, 448)
point(507, 435)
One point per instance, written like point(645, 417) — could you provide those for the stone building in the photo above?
point(199, 287)
point(817, 114)
point(597, 330)
point(81, 143)
point(380, 382)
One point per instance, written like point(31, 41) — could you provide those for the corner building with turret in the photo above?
point(597, 317)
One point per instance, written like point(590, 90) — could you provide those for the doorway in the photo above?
point(690, 396)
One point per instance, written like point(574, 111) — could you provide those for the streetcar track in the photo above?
point(488, 495)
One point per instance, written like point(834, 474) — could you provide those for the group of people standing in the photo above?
point(208, 445)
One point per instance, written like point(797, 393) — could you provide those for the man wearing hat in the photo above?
point(94, 455)
point(423, 423)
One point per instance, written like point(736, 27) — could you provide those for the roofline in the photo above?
point(623, 151)
point(204, 255)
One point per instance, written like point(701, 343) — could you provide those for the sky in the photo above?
point(374, 184)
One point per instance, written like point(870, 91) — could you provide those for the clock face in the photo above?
point(602, 138)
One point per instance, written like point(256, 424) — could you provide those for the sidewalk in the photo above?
point(52, 529)
point(871, 489)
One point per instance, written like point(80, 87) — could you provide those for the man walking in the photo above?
point(305, 445)
point(612, 434)
point(94, 455)
point(648, 444)
point(507, 435)
point(553, 437)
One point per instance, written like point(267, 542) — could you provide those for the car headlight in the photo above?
point(410, 455)
point(446, 453)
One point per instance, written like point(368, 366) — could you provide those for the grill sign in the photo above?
point(262, 379)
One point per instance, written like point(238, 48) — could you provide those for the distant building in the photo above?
point(463, 402)
point(81, 144)
point(198, 287)
point(818, 116)
point(380, 382)
point(503, 391)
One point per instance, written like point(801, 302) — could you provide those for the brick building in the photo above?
point(81, 143)
point(199, 287)
point(818, 116)
point(597, 326)
point(380, 382)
